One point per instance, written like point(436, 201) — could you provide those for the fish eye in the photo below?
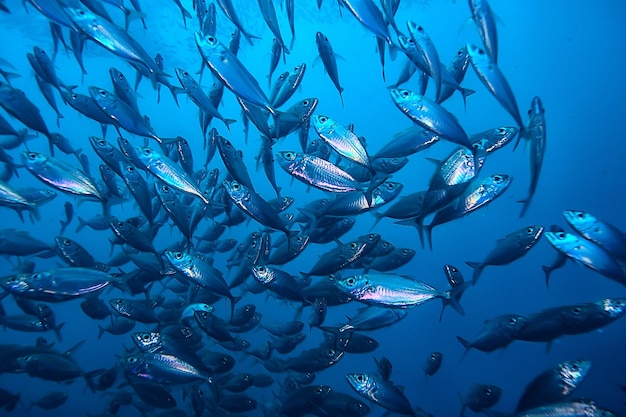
point(235, 186)
point(581, 215)
point(353, 245)
point(67, 242)
point(185, 73)
point(512, 320)
point(74, 96)
point(389, 186)
point(577, 310)
point(261, 269)
point(146, 337)
point(101, 142)
point(323, 119)
point(32, 155)
point(130, 169)
point(178, 255)
point(147, 151)
point(405, 252)
point(560, 235)
point(102, 93)
point(120, 224)
point(330, 352)
point(166, 188)
point(319, 389)
point(420, 29)
point(497, 178)
point(529, 112)
point(210, 39)
point(224, 360)
point(530, 230)
point(132, 359)
point(351, 281)
point(488, 391)
point(433, 356)
point(305, 102)
point(405, 93)
point(299, 239)
point(360, 378)
point(459, 52)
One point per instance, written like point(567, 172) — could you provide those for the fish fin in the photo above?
point(466, 344)
point(526, 204)
point(548, 271)
point(414, 222)
point(89, 376)
point(478, 269)
point(466, 92)
point(71, 350)
point(520, 134)
point(57, 331)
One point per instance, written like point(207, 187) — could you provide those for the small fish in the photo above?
point(381, 392)
point(536, 133)
point(431, 116)
point(509, 249)
point(480, 397)
point(433, 363)
point(327, 55)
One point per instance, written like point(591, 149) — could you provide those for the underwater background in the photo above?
point(567, 53)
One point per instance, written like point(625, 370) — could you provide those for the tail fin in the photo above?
point(478, 269)
point(526, 204)
point(548, 271)
point(57, 331)
point(466, 344)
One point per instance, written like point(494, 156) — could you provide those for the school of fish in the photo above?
point(195, 237)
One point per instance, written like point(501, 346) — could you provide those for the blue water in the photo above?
point(567, 53)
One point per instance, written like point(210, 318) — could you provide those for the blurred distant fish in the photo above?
point(485, 21)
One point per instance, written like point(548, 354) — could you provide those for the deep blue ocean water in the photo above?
point(567, 53)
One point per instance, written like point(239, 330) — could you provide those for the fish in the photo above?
point(60, 175)
point(231, 72)
point(341, 139)
point(588, 254)
point(553, 385)
point(269, 15)
point(379, 391)
point(480, 397)
point(431, 116)
point(484, 19)
point(389, 290)
point(509, 248)
point(327, 55)
point(195, 93)
point(598, 231)
point(433, 363)
point(493, 79)
point(536, 133)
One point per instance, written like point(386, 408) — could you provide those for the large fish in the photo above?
point(231, 72)
point(431, 116)
point(492, 78)
point(588, 254)
point(389, 290)
point(598, 231)
point(60, 175)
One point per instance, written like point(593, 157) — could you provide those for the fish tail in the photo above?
point(548, 271)
point(233, 301)
point(89, 376)
point(414, 222)
point(451, 299)
point(520, 134)
point(429, 235)
point(478, 269)
point(175, 91)
point(463, 405)
point(379, 216)
point(101, 331)
point(466, 344)
point(525, 204)
point(57, 331)
point(466, 92)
